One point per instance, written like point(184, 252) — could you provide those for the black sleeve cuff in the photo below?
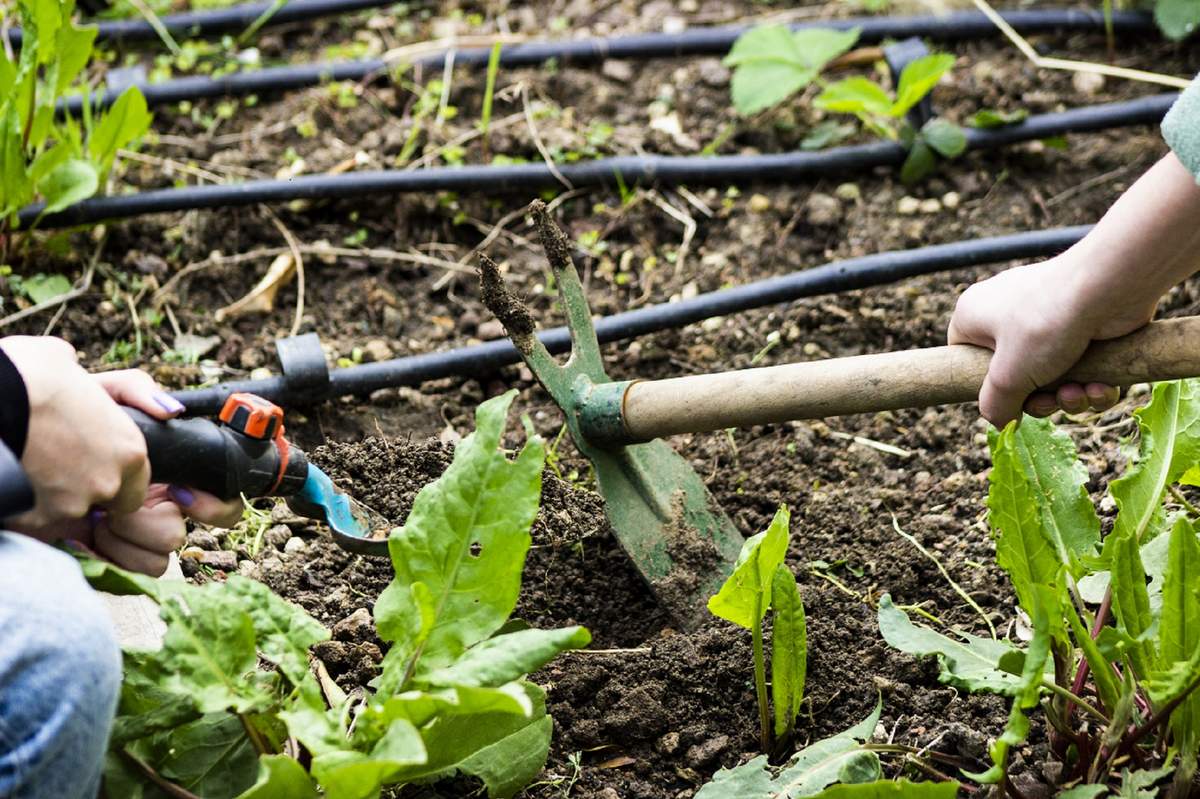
point(14, 407)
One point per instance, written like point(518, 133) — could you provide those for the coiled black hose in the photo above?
point(693, 42)
point(221, 20)
point(482, 359)
point(606, 172)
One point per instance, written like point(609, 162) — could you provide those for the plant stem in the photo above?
point(165, 785)
point(760, 689)
point(1159, 717)
point(256, 738)
point(1097, 625)
point(1073, 698)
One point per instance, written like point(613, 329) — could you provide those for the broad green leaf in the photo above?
point(917, 79)
point(424, 707)
point(789, 650)
point(1086, 791)
point(1130, 598)
point(284, 630)
point(827, 133)
point(1177, 19)
point(74, 49)
point(946, 138)
point(1028, 690)
point(465, 541)
point(1179, 625)
point(145, 708)
point(209, 757)
point(971, 663)
point(309, 721)
point(745, 595)
point(1139, 784)
point(771, 63)
point(280, 777)
point(751, 780)
point(888, 789)
point(1170, 445)
point(919, 163)
point(349, 774)
point(992, 118)
point(68, 183)
point(46, 16)
point(505, 658)
point(1018, 510)
point(110, 579)
point(125, 121)
point(857, 95)
point(1106, 681)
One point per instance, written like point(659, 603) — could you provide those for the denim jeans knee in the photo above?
point(60, 675)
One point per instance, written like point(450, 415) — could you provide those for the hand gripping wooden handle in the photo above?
point(1166, 350)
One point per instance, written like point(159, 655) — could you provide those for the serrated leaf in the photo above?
point(745, 595)
point(280, 777)
point(857, 95)
point(771, 63)
point(789, 650)
point(971, 663)
point(917, 79)
point(465, 541)
point(504, 658)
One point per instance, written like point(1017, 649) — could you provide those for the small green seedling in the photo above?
point(771, 63)
point(760, 581)
point(883, 113)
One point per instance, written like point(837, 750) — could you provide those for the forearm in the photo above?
point(1147, 242)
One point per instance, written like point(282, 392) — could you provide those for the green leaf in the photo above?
point(424, 707)
point(970, 663)
point(1130, 598)
point(125, 121)
point(283, 630)
point(464, 543)
point(745, 595)
point(309, 721)
point(827, 133)
point(280, 777)
point(68, 183)
point(946, 138)
point(789, 650)
point(857, 95)
point(209, 757)
point(1177, 19)
point(1178, 631)
point(992, 118)
point(887, 789)
point(771, 63)
point(1106, 681)
point(110, 579)
point(74, 49)
point(505, 658)
point(920, 162)
point(1086, 791)
point(1139, 784)
point(1019, 510)
point(349, 774)
point(1029, 688)
point(917, 79)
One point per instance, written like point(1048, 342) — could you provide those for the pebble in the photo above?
point(202, 539)
point(823, 210)
point(950, 200)
point(294, 546)
point(261, 373)
point(908, 205)
point(669, 743)
point(614, 69)
point(355, 627)
point(377, 350)
point(713, 73)
point(271, 564)
point(931, 206)
point(248, 568)
point(277, 535)
point(704, 753)
point(759, 204)
point(251, 358)
point(489, 330)
point(222, 560)
point(848, 191)
point(1087, 83)
point(393, 321)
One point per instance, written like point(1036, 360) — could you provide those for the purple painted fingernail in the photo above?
point(168, 403)
point(181, 496)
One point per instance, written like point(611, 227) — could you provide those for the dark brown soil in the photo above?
point(651, 711)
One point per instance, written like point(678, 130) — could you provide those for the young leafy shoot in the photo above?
point(771, 63)
point(789, 651)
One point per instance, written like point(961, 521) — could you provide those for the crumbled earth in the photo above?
point(651, 710)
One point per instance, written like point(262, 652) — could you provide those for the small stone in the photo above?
point(669, 743)
point(759, 204)
point(673, 25)
point(393, 321)
point(701, 754)
point(823, 210)
point(251, 358)
point(950, 200)
point(614, 69)
point(248, 568)
point(356, 627)
point(713, 73)
point(261, 373)
point(202, 539)
point(277, 536)
point(848, 191)
point(908, 205)
point(271, 564)
point(931, 206)
point(489, 330)
point(1087, 83)
point(376, 350)
point(294, 546)
point(222, 560)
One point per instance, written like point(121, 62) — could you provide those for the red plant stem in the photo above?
point(1082, 675)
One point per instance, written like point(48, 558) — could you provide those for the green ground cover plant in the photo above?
point(201, 717)
point(1113, 655)
point(44, 156)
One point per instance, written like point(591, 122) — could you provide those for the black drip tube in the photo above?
point(693, 42)
point(608, 172)
point(221, 20)
point(839, 276)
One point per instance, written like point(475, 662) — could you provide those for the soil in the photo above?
point(651, 710)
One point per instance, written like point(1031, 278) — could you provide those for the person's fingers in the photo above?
point(1101, 396)
point(132, 492)
point(159, 529)
point(1041, 404)
point(135, 388)
point(127, 555)
point(1005, 388)
point(1072, 398)
point(204, 507)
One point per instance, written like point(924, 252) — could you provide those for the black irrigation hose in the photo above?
point(606, 172)
point(221, 20)
point(693, 42)
point(839, 276)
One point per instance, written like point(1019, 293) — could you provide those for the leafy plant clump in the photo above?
point(771, 63)
point(1113, 656)
point(760, 581)
point(200, 716)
